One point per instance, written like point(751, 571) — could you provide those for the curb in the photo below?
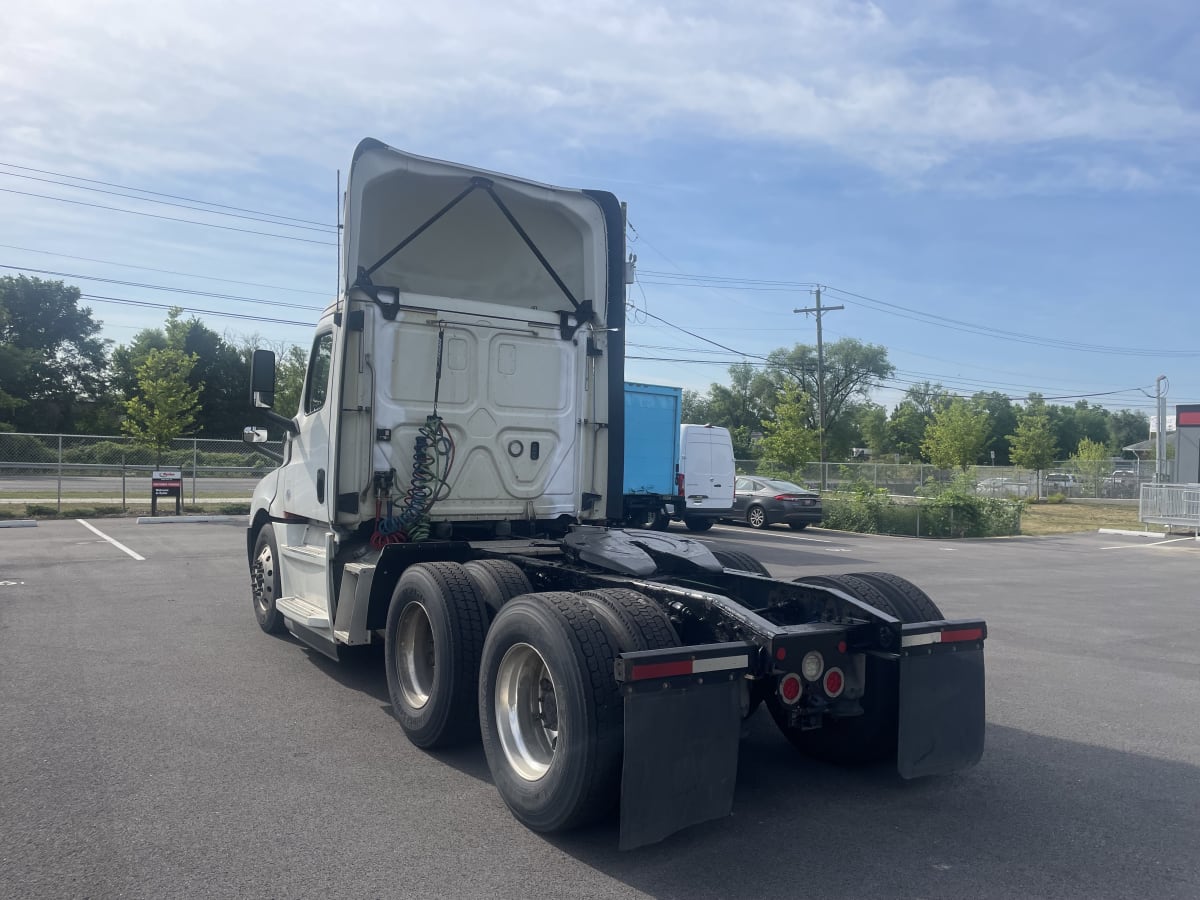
point(1131, 533)
point(18, 523)
point(184, 520)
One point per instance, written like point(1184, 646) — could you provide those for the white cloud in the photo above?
point(184, 87)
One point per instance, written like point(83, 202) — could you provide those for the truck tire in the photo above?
point(636, 622)
point(648, 520)
point(550, 712)
point(756, 517)
point(697, 524)
point(496, 581)
point(434, 637)
point(914, 603)
point(744, 562)
point(264, 581)
point(854, 740)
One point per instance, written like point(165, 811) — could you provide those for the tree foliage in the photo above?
point(790, 441)
point(52, 361)
point(1032, 442)
point(165, 405)
point(958, 435)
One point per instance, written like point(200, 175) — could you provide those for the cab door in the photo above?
point(306, 476)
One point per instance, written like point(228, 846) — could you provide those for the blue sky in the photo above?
point(1022, 167)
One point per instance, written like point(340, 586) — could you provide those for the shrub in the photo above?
point(38, 511)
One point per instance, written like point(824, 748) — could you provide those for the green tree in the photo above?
point(220, 374)
point(907, 424)
point(1092, 460)
point(166, 405)
point(1003, 417)
point(789, 441)
point(851, 370)
point(53, 365)
point(1126, 427)
point(957, 436)
point(1032, 444)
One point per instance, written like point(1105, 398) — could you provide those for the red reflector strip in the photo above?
point(951, 636)
point(661, 670)
point(643, 671)
point(963, 634)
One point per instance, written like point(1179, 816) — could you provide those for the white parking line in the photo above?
point(115, 543)
point(1144, 546)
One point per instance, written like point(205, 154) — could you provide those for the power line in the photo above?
point(109, 262)
point(160, 194)
point(82, 187)
point(124, 301)
point(134, 212)
point(160, 287)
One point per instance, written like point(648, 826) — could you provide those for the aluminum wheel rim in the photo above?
point(757, 517)
point(526, 712)
point(415, 664)
point(264, 575)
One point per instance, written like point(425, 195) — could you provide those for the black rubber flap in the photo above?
point(681, 754)
point(941, 712)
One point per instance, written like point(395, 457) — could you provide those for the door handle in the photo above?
point(320, 485)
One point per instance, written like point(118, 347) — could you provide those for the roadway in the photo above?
point(157, 744)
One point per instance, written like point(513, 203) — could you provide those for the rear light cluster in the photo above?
point(812, 668)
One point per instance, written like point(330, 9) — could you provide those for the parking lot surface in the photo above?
point(155, 743)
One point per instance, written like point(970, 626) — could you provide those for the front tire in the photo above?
point(432, 645)
point(264, 581)
point(550, 712)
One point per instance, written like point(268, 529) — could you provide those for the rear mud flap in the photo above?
point(681, 755)
point(941, 711)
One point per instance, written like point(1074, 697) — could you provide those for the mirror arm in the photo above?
point(288, 425)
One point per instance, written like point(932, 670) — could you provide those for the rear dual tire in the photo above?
point(550, 712)
point(871, 737)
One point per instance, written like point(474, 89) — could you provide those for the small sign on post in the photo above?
point(166, 483)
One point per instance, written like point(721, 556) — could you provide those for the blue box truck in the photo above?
point(653, 414)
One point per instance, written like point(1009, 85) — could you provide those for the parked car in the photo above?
point(760, 502)
point(1121, 483)
point(1061, 483)
point(1002, 487)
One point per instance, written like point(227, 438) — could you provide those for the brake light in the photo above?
point(789, 688)
point(787, 497)
point(835, 682)
point(679, 482)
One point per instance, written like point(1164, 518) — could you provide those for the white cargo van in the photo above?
point(705, 476)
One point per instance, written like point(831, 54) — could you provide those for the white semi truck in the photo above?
point(449, 485)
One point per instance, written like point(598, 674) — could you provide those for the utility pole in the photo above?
point(817, 310)
point(1160, 437)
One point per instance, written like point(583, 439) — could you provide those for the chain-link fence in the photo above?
point(109, 470)
point(1114, 479)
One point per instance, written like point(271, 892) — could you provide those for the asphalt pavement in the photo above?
point(155, 743)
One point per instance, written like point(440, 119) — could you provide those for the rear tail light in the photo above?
point(787, 497)
point(679, 482)
point(790, 688)
point(835, 682)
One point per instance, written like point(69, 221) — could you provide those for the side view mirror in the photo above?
point(262, 394)
point(262, 379)
point(252, 435)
